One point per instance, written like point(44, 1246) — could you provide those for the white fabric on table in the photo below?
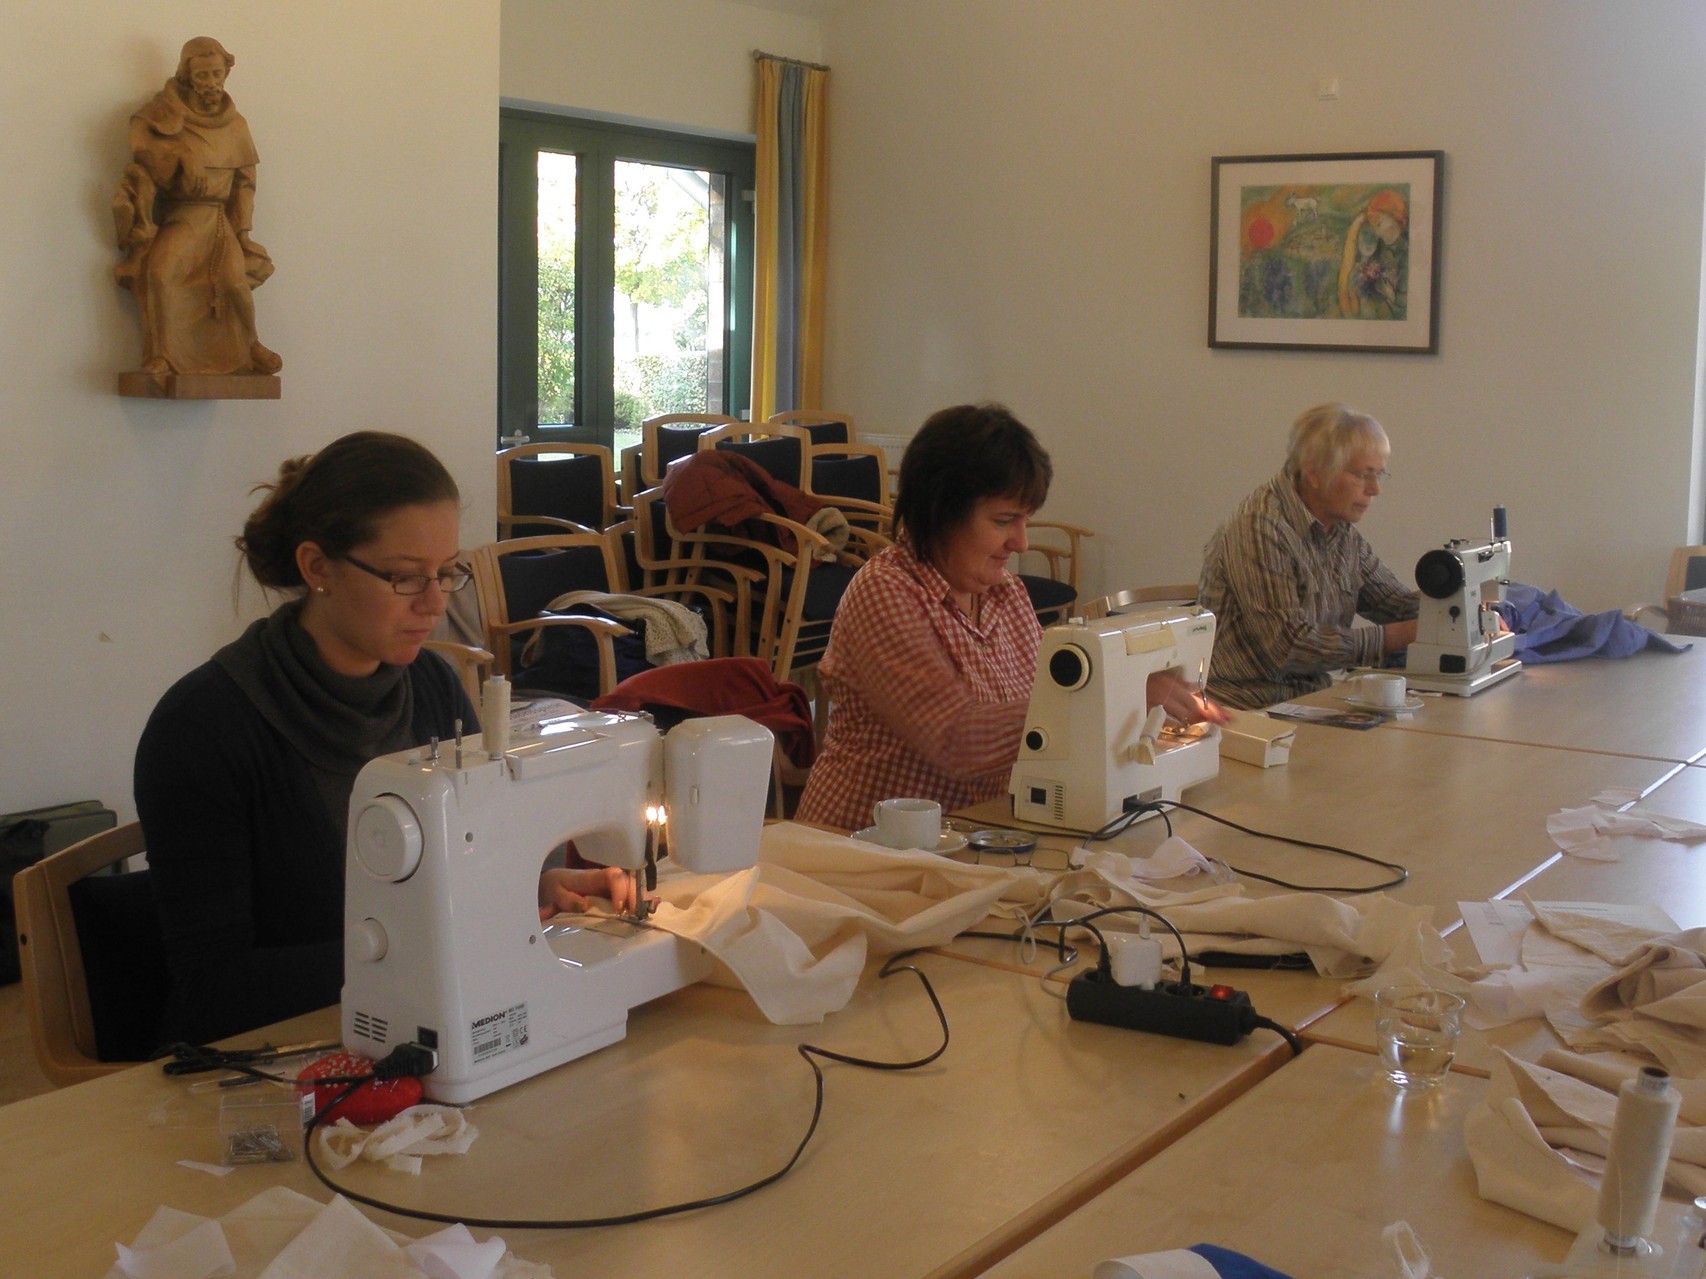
point(797, 928)
point(400, 1142)
point(1656, 1002)
point(1587, 832)
point(280, 1234)
point(1538, 1141)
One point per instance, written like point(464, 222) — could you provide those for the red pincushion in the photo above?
point(372, 1103)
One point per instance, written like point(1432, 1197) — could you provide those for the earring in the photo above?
point(319, 590)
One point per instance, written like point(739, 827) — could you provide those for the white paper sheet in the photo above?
point(1496, 927)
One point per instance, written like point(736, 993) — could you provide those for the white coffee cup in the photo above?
point(1382, 688)
point(908, 823)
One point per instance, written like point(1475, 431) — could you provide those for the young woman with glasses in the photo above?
point(244, 771)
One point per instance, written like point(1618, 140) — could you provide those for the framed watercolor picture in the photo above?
point(1326, 252)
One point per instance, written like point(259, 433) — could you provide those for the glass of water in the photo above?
point(1417, 1029)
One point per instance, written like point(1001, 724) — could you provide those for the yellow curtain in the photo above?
point(791, 199)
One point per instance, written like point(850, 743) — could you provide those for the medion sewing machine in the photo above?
point(1092, 741)
point(442, 940)
point(1459, 648)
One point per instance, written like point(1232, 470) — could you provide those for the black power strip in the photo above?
point(1213, 1014)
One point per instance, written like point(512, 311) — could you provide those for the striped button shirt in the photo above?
point(1284, 591)
point(923, 702)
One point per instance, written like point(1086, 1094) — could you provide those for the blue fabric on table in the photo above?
point(1549, 630)
point(1234, 1265)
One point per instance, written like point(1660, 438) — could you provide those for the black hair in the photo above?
point(335, 498)
point(958, 457)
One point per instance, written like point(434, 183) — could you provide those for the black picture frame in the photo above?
point(1326, 252)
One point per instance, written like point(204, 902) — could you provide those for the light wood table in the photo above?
point(1466, 817)
point(935, 1171)
point(1651, 706)
point(1303, 1173)
point(1670, 873)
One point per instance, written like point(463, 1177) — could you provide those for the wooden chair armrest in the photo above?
point(508, 522)
point(810, 541)
point(468, 662)
point(1073, 531)
point(455, 653)
point(604, 631)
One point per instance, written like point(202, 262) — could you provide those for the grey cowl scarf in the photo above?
point(336, 722)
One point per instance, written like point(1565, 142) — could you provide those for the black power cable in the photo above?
point(809, 1052)
point(1137, 812)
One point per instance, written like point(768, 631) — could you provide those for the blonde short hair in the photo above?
point(1324, 437)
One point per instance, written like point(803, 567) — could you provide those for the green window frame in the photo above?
point(597, 146)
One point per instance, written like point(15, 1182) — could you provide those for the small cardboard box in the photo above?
point(1252, 738)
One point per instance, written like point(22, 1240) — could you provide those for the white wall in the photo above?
point(680, 63)
point(1019, 207)
point(377, 130)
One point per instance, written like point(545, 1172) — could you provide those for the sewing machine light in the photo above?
point(441, 937)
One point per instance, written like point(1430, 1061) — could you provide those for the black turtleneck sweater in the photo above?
point(247, 858)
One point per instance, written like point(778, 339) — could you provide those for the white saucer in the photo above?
point(951, 842)
point(1412, 702)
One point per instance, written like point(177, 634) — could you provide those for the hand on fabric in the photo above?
point(563, 891)
point(1182, 701)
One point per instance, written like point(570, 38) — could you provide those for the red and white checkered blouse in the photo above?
point(923, 702)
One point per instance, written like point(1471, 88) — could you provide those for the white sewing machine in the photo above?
point(1092, 741)
point(442, 940)
point(1459, 648)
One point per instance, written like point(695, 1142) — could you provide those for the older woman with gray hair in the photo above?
point(1288, 574)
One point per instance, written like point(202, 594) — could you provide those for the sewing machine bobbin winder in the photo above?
point(1459, 647)
point(443, 945)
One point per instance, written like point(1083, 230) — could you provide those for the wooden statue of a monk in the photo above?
point(183, 212)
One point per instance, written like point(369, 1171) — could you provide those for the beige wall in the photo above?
point(1019, 205)
point(377, 200)
point(1019, 201)
point(682, 63)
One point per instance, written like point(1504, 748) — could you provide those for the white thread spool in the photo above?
point(494, 715)
point(1635, 1167)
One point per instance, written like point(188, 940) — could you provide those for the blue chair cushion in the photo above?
point(1047, 594)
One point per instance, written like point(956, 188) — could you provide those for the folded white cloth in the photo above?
point(1539, 1140)
point(400, 1142)
point(674, 632)
point(1586, 832)
point(1656, 1002)
point(1173, 858)
point(1341, 938)
point(796, 929)
point(280, 1234)
point(831, 523)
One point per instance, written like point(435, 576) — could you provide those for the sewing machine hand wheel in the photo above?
point(1439, 574)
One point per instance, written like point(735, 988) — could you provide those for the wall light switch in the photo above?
point(1327, 87)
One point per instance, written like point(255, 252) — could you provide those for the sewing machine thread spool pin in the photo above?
point(494, 716)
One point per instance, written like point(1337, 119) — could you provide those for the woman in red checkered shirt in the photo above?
point(934, 646)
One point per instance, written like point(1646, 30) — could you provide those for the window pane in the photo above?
point(669, 298)
point(557, 369)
